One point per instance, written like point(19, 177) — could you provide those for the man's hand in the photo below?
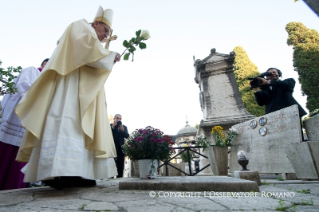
point(121, 128)
point(117, 58)
point(264, 81)
point(255, 89)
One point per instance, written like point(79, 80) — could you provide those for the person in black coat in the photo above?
point(119, 132)
point(275, 93)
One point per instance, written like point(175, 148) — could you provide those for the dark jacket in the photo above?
point(119, 136)
point(280, 96)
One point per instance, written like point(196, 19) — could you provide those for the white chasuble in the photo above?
point(65, 114)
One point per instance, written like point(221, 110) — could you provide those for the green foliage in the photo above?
point(307, 191)
point(135, 41)
point(7, 77)
point(126, 56)
point(306, 60)
point(282, 206)
point(280, 178)
point(307, 202)
point(293, 208)
point(265, 183)
point(82, 207)
point(243, 69)
point(315, 112)
point(220, 138)
point(184, 156)
point(202, 141)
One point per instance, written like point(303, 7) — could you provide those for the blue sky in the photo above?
point(158, 88)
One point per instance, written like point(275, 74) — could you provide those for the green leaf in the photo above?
point(133, 40)
point(126, 56)
point(137, 40)
point(142, 45)
point(125, 43)
point(138, 33)
point(132, 49)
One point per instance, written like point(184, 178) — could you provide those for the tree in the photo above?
point(305, 43)
point(7, 77)
point(243, 69)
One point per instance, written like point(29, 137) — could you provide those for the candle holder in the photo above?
point(242, 160)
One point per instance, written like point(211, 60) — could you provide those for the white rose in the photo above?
point(145, 34)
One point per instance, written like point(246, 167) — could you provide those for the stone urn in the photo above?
point(312, 125)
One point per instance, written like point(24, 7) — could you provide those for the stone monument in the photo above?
point(219, 95)
point(265, 140)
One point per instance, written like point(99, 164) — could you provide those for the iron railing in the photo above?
point(187, 149)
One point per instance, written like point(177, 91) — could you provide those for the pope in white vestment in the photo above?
point(64, 112)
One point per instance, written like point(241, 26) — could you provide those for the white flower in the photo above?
point(233, 129)
point(145, 34)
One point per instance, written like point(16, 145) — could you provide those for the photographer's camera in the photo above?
point(255, 82)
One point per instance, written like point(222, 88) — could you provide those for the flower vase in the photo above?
point(221, 158)
point(212, 161)
point(146, 170)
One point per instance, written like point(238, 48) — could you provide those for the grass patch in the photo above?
point(307, 202)
point(265, 183)
point(282, 206)
point(307, 191)
point(82, 207)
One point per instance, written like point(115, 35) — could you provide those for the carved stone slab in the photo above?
point(301, 160)
point(312, 128)
point(266, 152)
point(314, 150)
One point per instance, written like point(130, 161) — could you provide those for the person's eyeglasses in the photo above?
point(107, 30)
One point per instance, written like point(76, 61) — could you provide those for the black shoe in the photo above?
point(55, 183)
point(69, 182)
point(81, 182)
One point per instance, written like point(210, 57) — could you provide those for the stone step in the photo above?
point(190, 183)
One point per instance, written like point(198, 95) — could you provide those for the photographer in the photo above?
point(119, 132)
point(275, 93)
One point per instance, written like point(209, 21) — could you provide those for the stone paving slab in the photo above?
point(107, 196)
point(193, 183)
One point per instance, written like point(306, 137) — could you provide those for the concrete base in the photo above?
point(248, 175)
point(192, 183)
point(289, 176)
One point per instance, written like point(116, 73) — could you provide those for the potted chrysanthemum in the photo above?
point(148, 146)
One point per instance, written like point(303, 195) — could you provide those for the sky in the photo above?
point(158, 88)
